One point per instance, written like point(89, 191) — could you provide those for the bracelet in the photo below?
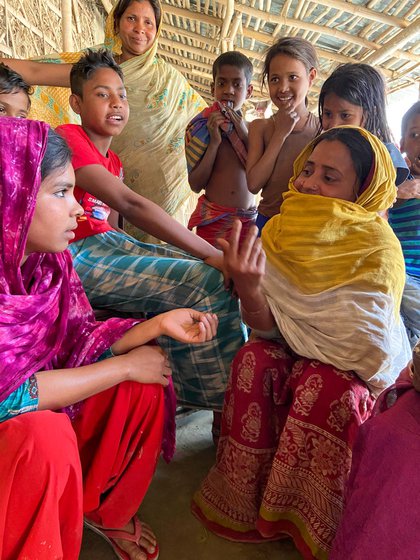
point(258, 311)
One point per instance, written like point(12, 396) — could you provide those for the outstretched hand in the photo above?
point(188, 325)
point(245, 264)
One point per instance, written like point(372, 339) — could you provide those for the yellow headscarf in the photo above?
point(319, 243)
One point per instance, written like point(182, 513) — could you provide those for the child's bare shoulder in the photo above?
point(261, 127)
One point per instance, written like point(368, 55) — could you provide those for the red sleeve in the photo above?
point(83, 150)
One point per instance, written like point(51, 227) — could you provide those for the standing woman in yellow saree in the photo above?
point(161, 104)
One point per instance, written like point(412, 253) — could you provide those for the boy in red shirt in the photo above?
point(122, 274)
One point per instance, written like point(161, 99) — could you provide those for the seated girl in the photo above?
point(326, 311)
point(95, 459)
point(382, 516)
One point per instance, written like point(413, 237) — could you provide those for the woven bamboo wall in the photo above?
point(35, 27)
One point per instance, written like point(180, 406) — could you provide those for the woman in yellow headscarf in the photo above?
point(325, 310)
point(161, 105)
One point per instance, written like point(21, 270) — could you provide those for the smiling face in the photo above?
point(103, 108)
point(230, 85)
point(410, 144)
point(137, 29)
point(55, 214)
point(289, 82)
point(329, 171)
point(14, 104)
point(336, 111)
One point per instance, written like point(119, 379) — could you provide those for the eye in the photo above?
point(414, 135)
point(131, 18)
point(345, 116)
point(327, 114)
point(149, 22)
point(306, 172)
point(123, 96)
point(102, 94)
point(2, 109)
point(293, 77)
point(61, 193)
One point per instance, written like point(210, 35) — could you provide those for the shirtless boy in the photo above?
point(216, 150)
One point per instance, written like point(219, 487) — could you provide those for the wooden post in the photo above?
point(67, 25)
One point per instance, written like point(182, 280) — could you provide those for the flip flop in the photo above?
point(111, 534)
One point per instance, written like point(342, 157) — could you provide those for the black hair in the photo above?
point(363, 86)
point(11, 81)
point(122, 6)
point(295, 47)
point(361, 151)
point(237, 59)
point(410, 114)
point(88, 64)
point(57, 154)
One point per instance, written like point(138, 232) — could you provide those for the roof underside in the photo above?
point(384, 33)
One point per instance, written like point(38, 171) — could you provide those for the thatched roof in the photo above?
point(385, 33)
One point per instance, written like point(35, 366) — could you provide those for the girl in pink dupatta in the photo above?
point(96, 461)
point(382, 517)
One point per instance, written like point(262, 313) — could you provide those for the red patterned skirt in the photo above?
point(284, 455)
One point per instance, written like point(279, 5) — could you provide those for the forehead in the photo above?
point(140, 8)
point(16, 98)
point(284, 63)
point(230, 72)
point(414, 122)
point(104, 77)
point(332, 101)
point(332, 153)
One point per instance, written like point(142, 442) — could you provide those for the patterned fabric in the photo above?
point(337, 267)
point(23, 399)
point(285, 450)
point(122, 274)
point(382, 511)
point(213, 220)
point(151, 146)
point(197, 137)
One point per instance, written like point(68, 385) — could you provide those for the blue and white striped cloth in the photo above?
point(122, 274)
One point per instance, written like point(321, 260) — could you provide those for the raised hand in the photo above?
point(245, 264)
point(214, 122)
point(239, 124)
point(285, 120)
point(188, 325)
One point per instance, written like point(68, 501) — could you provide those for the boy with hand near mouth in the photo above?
point(216, 151)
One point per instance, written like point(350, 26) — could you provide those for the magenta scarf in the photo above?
point(46, 321)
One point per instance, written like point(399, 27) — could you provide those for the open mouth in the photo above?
point(115, 118)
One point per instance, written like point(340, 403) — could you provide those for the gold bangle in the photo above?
point(260, 310)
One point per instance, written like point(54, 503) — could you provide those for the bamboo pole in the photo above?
point(67, 25)
point(224, 33)
point(390, 48)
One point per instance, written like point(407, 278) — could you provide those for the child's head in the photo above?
point(98, 93)
point(56, 209)
point(410, 137)
point(339, 165)
point(290, 68)
point(232, 75)
point(355, 95)
point(14, 94)
point(136, 23)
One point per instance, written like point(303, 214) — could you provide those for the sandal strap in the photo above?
point(121, 534)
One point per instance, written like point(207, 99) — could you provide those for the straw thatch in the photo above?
point(385, 33)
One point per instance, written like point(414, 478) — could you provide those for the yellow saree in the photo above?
point(335, 275)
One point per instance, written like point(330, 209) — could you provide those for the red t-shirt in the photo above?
point(95, 218)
